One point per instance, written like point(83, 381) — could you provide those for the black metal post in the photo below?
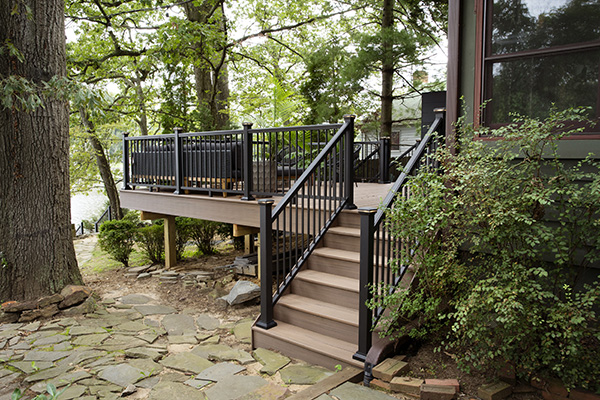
point(365, 316)
point(265, 320)
point(126, 162)
point(247, 160)
point(385, 156)
point(349, 162)
point(178, 159)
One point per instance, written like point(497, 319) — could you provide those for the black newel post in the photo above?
point(177, 160)
point(266, 266)
point(385, 155)
point(247, 160)
point(349, 161)
point(365, 315)
point(126, 162)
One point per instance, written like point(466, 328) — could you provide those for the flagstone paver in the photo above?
point(351, 391)
point(173, 391)
point(136, 298)
point(45, 355)
point(155, 309)
point(186, 362)
point(220, 371)
point(121, 375)
point(271, 361)
point(234, 386)
point(303, 374)
point(197, 383)
point(179, 324)
point(29, 367)
point(243, 331)
point(207, 322)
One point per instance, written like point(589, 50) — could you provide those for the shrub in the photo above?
point(117, 238)
point(506, 238)
point(202, 233)
point(151, 238)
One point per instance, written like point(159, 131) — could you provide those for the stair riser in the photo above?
point(260, 339)
point(324, 293)
point(315, 323)
point(341, 242)
point(333, 266)
point(349, 219)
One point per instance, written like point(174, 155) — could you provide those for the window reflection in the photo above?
point(519, 25)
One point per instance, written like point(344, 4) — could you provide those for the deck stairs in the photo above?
point(317, 317)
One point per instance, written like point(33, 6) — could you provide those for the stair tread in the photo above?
point(331, 347)
point(345, 230)
point(325, 279)
point(346, 255)
point(317, 307)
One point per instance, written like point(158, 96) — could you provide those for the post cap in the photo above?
point(266, 201)
point(247, 123)
point(367, 210)
point(439, 110)
point(349, 116)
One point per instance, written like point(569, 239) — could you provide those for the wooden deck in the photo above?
point(231, 209)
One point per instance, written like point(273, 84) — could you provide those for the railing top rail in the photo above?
point(389, 199)
point(309, 170)
point(150, 137)
point(297, 128)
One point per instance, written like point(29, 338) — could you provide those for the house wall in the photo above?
point(570, 150)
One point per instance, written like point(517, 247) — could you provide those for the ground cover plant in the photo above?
point(508, 250)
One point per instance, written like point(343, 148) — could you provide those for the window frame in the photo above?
point(484, 62)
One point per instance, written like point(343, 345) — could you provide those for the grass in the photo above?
point(101, 261)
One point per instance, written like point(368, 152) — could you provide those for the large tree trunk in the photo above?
point(103, 166)
point(387, 68)
point(210, 71)
point(36, 248)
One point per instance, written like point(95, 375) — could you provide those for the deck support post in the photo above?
point(177, 159)
point(365, 316)
point(126, 161)
point(266, 320)
point(349, 162)
point(385, 156)
point(247, 160)
point(170, 243)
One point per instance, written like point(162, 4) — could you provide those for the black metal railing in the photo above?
point(106, 216)
point(381, 266)
point(291, 231)
point(247, 162)
point(372, 161)
point(80, 229)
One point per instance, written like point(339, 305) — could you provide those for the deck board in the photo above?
point(229, 209)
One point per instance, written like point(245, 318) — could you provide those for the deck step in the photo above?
point(324, 318)
point(342, 238)
point(326, 287)
point(306, 345)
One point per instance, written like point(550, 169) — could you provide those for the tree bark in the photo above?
point(37, 256)
point(103, 166)
point(387, 68)
point(212, 82)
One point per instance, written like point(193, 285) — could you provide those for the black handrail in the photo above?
point(378, 248)
point(302, 217)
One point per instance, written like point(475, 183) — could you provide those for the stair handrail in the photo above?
point(376, 246)
point(328, 180)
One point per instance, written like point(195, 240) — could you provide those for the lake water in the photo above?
point(87, 205)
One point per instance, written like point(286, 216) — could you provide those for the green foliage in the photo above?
point(202, 233)
point(507, 236)
point(117, 238)
point(52, 393)
point(152, 240)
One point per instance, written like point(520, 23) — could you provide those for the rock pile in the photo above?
point(72, 300)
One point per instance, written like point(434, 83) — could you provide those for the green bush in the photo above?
point(117, 238)
point(202, 233)
point(506, 236)
point(151, 238)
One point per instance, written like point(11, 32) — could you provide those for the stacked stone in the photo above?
point(73, 299)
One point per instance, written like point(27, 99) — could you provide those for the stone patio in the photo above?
point(133, 346)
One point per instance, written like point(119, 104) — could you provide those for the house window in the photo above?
point(537, 53)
